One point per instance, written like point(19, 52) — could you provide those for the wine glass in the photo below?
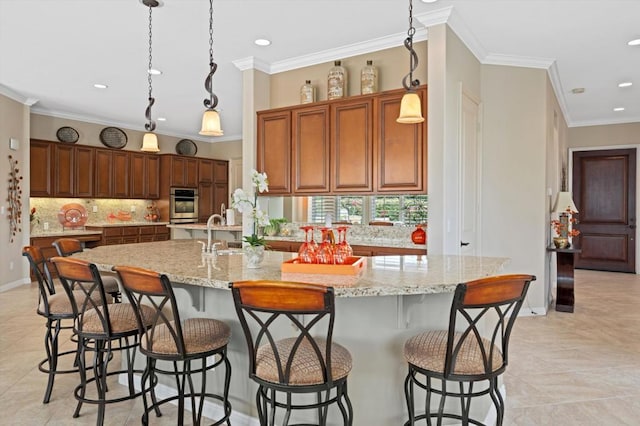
point(308, 249)
point(343, 249)
point(325, 251)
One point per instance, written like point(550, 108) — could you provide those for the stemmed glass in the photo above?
point(325, 251)
point(343, 249)
point(308, 249)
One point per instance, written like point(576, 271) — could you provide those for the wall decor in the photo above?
point(67, 134)
point(186, 147)
point(113, 137)
point(15, 199)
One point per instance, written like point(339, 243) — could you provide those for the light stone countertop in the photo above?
point(203, 227)
point(119, 223)
point(61, 233)
point(182, 261)
point(355, 241)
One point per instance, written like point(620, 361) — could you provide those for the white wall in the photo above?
point(14, 123)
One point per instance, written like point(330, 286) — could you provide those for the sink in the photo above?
point(229, 252)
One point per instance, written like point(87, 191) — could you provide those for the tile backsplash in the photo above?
point(47, 210)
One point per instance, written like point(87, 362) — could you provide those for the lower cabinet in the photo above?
point(294, 246)
point(112, 235)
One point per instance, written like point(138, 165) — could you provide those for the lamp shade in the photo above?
point(150, 143)
point(564, 202)
point(211, 123)
point(410, 109)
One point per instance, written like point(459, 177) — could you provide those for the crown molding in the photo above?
point(518, 61)
point(18, 97)
point(435, 17)
point(132, 126)
point(554, 76)
point(252, 63)
point(586, 123)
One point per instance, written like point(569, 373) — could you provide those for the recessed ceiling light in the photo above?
point(100, 86)
point(625, 84)
point(262, 42)
point(618, 109)
point(154, 71)
point(634, 42)
point(429, 1)
point(161, 119)
point(577, 90)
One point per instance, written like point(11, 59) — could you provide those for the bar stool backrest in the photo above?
point(38, 265)
point(71, 271)
point(489, 307)
point(67, 246)
point(146, 287)
point(261, 304)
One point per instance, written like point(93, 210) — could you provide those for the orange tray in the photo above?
point(352, 266)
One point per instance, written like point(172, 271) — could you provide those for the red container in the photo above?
point(419, 236)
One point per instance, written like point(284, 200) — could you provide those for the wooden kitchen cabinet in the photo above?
point(177, 171)
point(112, 235)
point(103, 184)
point(401, 165)
point(213, 187)
point(144, 170)
point(120, 174)
point(220, 171)
point(84, 167)
point(352, 146)
point(274, 149)
point(294, 246)
point(40, 173)
point(310, 166)
point(63, 171)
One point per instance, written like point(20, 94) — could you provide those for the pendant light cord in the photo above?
point(408, 82)
point(212, 102)
point(150, 126)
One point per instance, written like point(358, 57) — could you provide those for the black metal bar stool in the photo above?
point(173, 340)
point(101, 329)
point(461, 354)
point(68, 246)
point(56, 308)
point(301, 364)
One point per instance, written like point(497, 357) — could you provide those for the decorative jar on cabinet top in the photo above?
point(368, 79)
point(337, 81)
point(307, 93)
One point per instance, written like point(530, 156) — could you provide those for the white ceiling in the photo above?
point(53, 51)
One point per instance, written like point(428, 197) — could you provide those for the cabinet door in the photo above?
point(63, 172)
point(191, 172)
point(205, 201)
point(220, 171)
point(205, 171)
point(310, 133)
point(352, 146)
point(153, 177)
point(104, 174)
point(400, 148)
point(84, 167)
point(274, 150)
point(120, 175)
point(40, 155)
point(138, 171)
point(220, 196)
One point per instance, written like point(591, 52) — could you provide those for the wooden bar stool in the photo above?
point(102, 329)
point(461, 354)
point(173, 340)
point(68, 246)
point(56, 308)
point(301, 364)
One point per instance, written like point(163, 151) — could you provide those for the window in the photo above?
point(407, 209)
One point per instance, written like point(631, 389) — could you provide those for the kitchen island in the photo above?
point(393, 298)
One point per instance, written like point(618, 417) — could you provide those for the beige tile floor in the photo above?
point(565, 369)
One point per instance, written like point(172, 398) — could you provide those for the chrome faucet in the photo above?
point(211, 221)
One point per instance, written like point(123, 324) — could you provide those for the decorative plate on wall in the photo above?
point(186, 147)
point(113, 137)
point(72, 215)
point(67, 134)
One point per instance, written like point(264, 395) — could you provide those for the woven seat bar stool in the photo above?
point(102, 329)
point(461, 356)
point(56, 308)
point(68, 246)
point(173, 340)
point(301, 364)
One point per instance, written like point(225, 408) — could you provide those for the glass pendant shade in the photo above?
point(410, 109)
point(150, 143)
point(211, 123)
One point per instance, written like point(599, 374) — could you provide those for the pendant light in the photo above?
point(211, 118)
point(410, 108)
point(150, 140)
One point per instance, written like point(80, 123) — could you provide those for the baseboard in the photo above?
point(14, 284)
point(210, 410)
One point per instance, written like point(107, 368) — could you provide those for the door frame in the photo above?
point(604, 148)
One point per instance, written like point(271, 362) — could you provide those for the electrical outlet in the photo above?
point(133, 209)
point(45, 226)
point(11, 266)
point(94, 209)
point(1, 209)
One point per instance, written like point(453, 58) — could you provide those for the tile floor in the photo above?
point(565, 369)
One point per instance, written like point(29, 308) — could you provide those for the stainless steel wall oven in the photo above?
point(183, 205)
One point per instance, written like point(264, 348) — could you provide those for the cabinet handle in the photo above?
point(463, 244)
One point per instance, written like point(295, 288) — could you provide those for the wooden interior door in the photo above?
point(604, 188)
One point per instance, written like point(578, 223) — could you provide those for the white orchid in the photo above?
point(242, 202)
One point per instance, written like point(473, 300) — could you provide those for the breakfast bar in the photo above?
point(377, 309)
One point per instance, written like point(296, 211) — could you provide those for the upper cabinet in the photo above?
point(179, 171)
point(41, 155)
point(346, 146)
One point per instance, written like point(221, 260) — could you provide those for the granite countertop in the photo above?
point(61, 233)
point(119, 223)
point(355, 241)
point(183, 262)
point(203, 227)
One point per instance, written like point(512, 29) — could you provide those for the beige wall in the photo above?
point(45, 127)
point(607, 135)
point(514, 200)
point(14, 123)
point(392, 66)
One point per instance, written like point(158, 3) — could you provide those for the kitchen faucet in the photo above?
point(211, 221)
